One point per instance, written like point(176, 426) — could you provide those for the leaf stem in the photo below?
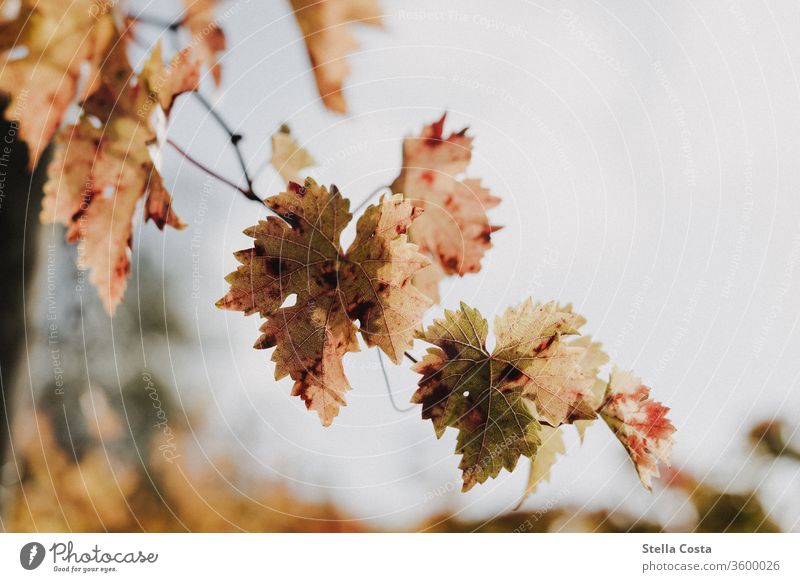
point(388, 384)
point(410, 357)
point(157, 22)
point(248, 192)
point(233, 136)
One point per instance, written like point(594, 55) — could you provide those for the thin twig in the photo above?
point(410, 357)
point(389, 386)
point(157, 22)
point(248, 192)
point(233, 136)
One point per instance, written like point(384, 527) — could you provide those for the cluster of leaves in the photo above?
point(102, 165)
point(507, 403)
point(511, 401)
point(63, 54)
point(314, 296)
point(298, 253)
point(387, 279)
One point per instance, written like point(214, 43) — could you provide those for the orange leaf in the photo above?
point(299, 255)
point(326, 28)
point(46, 49)
point(102, 167)
point(208, 39)
point(455, 230)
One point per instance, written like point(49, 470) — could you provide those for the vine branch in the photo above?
point(233, 136)
point(248, 192)
point(172, 26)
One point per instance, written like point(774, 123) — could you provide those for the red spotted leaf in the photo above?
point(552, 372)
point(297, 253)
point(639, 423)
point(455, 230)
point(102, 166)
point(491, 397)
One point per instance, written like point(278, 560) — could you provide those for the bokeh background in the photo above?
point(646, 155)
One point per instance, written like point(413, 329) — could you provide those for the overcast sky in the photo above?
point(646, 154)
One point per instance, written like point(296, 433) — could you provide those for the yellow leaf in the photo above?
point(288, 158)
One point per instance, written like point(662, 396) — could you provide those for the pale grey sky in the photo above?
point(646, 154)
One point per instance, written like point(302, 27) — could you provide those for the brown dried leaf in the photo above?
point(299, 254)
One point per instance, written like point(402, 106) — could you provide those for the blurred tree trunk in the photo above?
point(20, 200)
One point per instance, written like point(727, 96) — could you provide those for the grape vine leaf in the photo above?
point(298, 253)
point(594, 358)
point(551, 371)
point(547, 455)
point(639, 423)
point(455, 230)
point(102, 166)
point(489, 397)
point(208, 39)
point(52, 51)
point(288, 157)
point(326, 28)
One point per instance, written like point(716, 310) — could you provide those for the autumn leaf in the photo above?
point(297, 253)
point(326, 29)
point(47, 48)
point(639, 423)
point(593, 359)
point(208, 39)
point(551, 371)
point(489, 397)
point(455, 230)
point(548, 453)
point(288, 157)
point(102, 167)
point(595, 398)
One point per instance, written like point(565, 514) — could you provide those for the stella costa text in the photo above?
point(671, 549)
